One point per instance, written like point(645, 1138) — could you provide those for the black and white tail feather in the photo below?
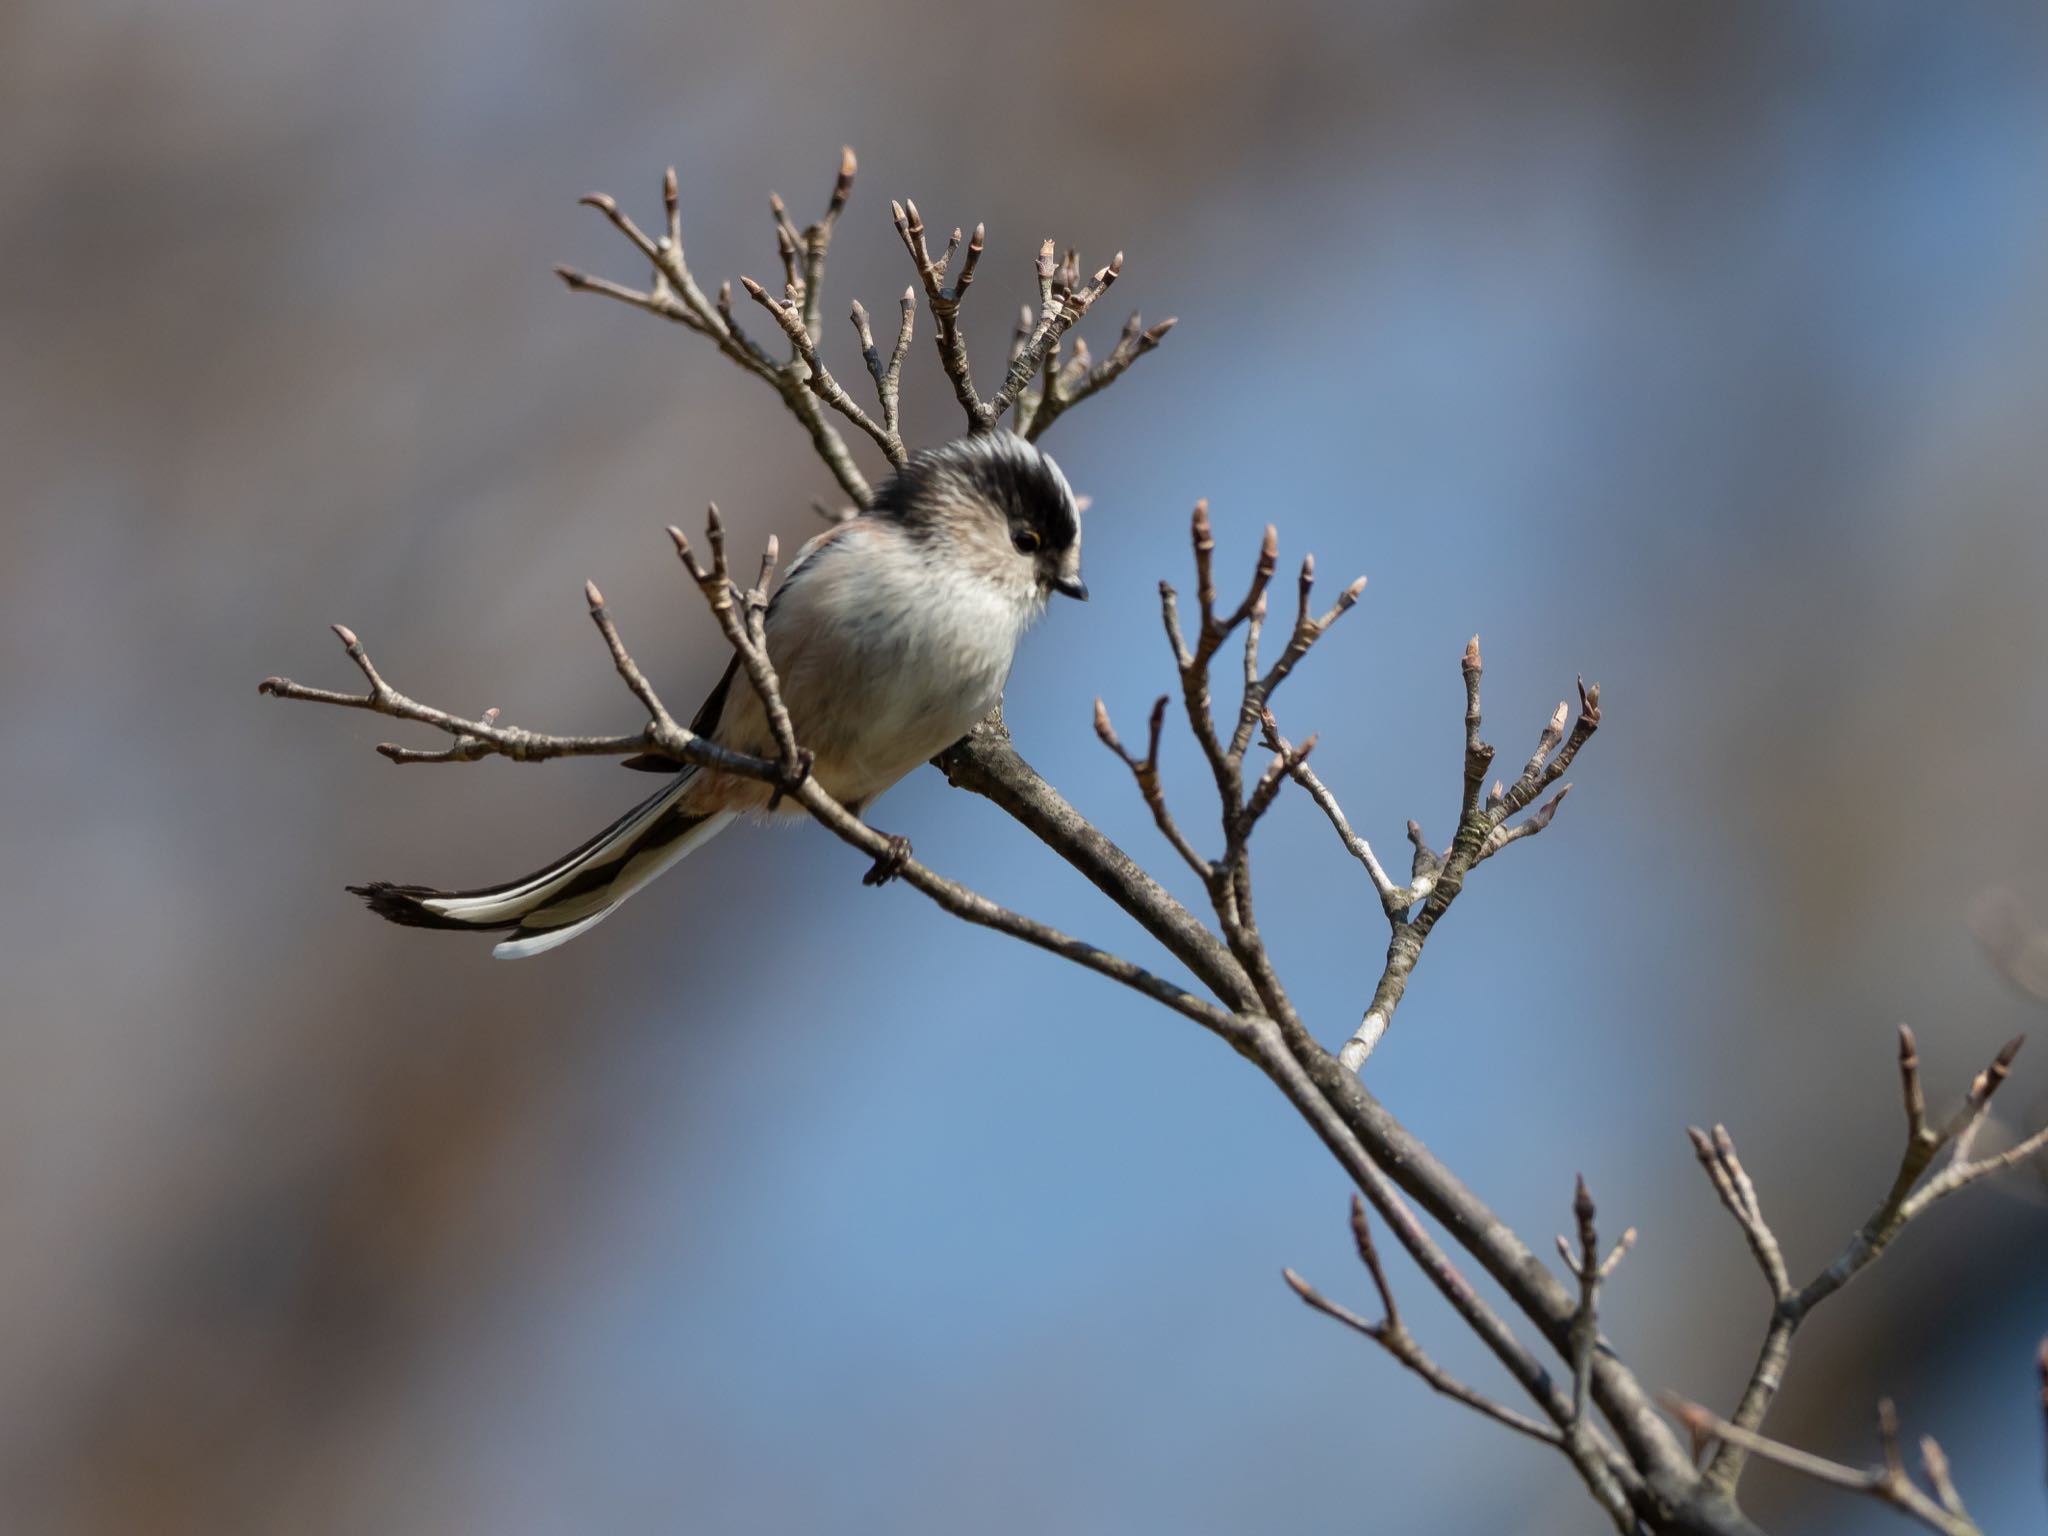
point(570, 896)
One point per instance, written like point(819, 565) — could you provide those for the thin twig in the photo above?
point(675, 295)
point(1060, 396)
point(788, 314)
point(1145, 770)
point(1613, 1482)
point(1912, 1191)
point(1055, 317)
point(1733, 1184)
point(1392, 897)
point(1887, 1482)
point(1393, 1336)
point(1903, 1202)
point(1482, 831)
point(888, 376)
point(1590, 1269)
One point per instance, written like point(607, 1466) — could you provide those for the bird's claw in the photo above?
point(889, 864)
point(793, 776)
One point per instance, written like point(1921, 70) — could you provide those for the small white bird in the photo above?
point(891, 634)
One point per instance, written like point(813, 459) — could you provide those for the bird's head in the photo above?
point(998, 503)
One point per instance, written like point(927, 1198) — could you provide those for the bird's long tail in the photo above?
point(575, 893)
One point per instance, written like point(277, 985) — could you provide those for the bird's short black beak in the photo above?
point(1073, 586)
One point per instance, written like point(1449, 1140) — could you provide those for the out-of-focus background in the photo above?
point(1703, 349)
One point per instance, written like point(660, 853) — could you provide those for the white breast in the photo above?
point(886, 655)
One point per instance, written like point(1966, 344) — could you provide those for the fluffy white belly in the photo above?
point(883, 664)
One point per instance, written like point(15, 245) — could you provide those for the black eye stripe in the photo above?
point(997, 472)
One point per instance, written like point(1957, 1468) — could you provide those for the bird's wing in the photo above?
point(705, 722)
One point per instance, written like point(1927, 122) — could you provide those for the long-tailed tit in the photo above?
point(892, 634)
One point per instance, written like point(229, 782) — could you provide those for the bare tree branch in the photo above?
point(1912, 1191)
point(1064, 389)
point(788, 313)
point(1058, 311)
point(1146, 771)
point(1393, 1336)
point(1717, 1156)
point(1228, 877)
point(1634, 1467)
point(1887, 1483)
point(675, 295)
point(888, 377)
point(1590, 1269)
point(1483, 830)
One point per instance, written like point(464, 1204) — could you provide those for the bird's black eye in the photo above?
point(1026, 540)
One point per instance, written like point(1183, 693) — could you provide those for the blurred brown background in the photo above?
point(1697, 347)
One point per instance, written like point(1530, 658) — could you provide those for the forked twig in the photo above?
point(1392, 1335)
point(1590, 1270)
point(1915, 1186)
point(1887, 1482)
point(674, 294)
